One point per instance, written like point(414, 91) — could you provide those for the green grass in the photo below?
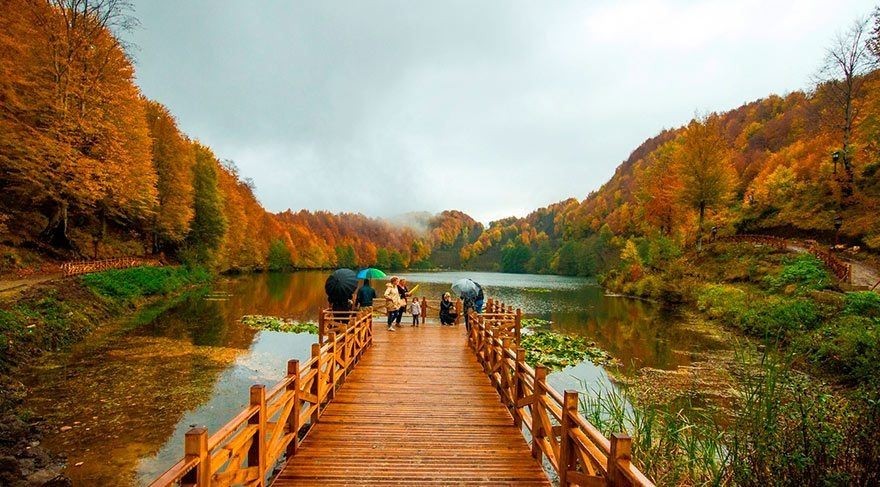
point(864, 303)
point(128, 284)
point(802, 272)
point(784, 429)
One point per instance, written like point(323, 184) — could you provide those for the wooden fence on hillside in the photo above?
point(841, 269)
point(77, 267)
point(578, 452)
point(247, 449)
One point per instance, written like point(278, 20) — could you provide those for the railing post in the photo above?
point(517, 334)
point(566, 444)
point(537, 429)
point(518, 372)
point(257, 452)
point(424, 309)
point(195, 444)
point(316, 382)
point(458, 311)
point(621, 449)
point(296, 409)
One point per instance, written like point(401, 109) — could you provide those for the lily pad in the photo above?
point(275, 323)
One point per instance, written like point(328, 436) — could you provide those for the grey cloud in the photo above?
point(490, 107)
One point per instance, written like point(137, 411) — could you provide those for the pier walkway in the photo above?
point(425, 405)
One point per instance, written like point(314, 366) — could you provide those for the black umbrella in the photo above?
point(341, 285)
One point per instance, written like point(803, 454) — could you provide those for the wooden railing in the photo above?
point(428, 306)
point(270, 430)
point(769, 240)
point(842, 270)
point(578, 452)
point(77, 267)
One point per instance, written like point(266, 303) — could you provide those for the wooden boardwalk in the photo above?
point(417, 410)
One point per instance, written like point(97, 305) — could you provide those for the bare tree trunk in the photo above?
point(55, 233)
point(700, 227)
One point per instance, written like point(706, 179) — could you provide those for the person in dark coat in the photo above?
point(365, 295)
point(447, 311)
point(404, 294)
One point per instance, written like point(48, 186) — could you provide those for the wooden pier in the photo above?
point(425, 405)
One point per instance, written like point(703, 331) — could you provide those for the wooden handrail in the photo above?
point(842, 270)
point(576, 450)
point(77, 267)
point(246, 450)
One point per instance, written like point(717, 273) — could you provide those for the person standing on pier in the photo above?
point(404, 294)
point(416, 309)
point(365, 295)
point(392, 302)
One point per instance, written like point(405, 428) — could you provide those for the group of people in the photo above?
point(397, 298)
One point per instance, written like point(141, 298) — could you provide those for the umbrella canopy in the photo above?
point(371, 273)
point(341, 284)
point(466, 288)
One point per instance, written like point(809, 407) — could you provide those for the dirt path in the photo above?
point(863, 275)
point(12, 287)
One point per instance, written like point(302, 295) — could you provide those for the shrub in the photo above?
point(849, 345)
point(864, 303)
point(804, 271)
point(127, 284)
point(775, 318)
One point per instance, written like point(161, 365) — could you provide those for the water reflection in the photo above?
point(190, 361)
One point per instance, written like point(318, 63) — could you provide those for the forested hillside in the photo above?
point(91, 168)
point(783, 164)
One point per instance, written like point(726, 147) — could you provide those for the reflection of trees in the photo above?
point(125, 400)
point(278, 284)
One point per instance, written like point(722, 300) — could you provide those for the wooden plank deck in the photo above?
point(417, 410)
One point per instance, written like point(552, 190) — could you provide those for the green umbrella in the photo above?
point(371, 273)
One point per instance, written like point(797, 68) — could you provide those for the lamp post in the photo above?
point(838, 222)
point(835, 157)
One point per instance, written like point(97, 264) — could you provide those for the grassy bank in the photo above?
point(786, 429)
point(50, 316)
point(802, 412)
point(789, 301)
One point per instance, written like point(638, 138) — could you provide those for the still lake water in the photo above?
point(131, 394)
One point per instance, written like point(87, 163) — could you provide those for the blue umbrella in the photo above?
point(466, 288)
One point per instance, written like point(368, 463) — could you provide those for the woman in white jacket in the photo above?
point(393, 303)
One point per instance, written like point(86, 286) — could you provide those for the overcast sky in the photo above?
point(491, 107)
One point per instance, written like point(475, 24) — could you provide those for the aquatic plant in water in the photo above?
point(275, 323)
point(555, 350)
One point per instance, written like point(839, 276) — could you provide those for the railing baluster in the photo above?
point(537, 430)
point(257, 452)
point(317, 380)
point(518, 389)
point(295, 410)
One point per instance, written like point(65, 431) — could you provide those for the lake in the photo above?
point(134, 389)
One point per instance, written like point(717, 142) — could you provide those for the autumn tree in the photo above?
point(279, 256)
point(173, 160)
point(841, 81)
point(657, 188)
point(703, 168)
point(209, 222)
